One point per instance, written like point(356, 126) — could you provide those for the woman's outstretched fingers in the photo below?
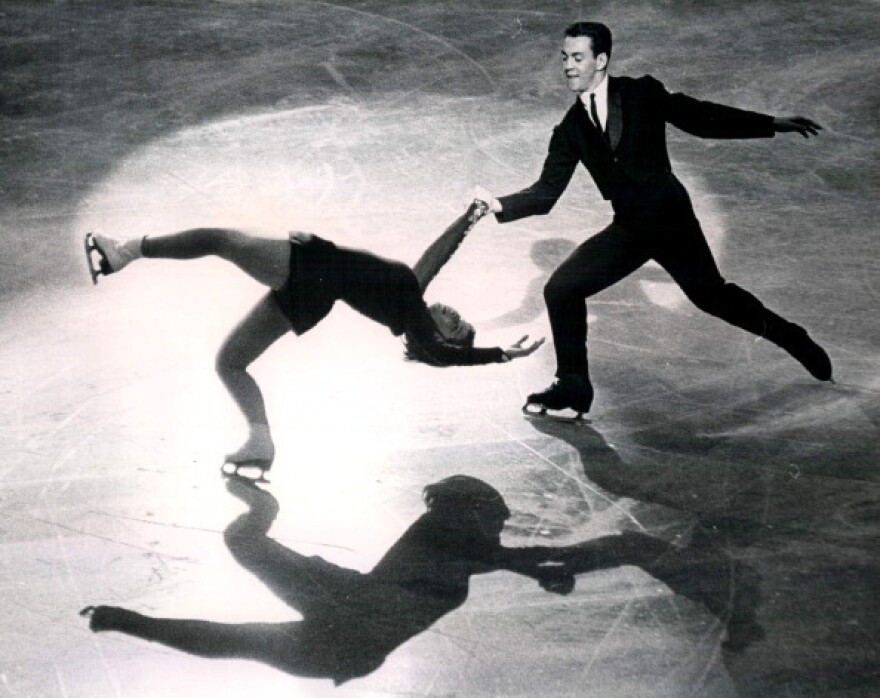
point(517, 350)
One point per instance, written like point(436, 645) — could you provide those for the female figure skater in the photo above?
point(306, 275)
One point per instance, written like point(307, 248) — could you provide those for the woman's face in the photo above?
point(450, 324)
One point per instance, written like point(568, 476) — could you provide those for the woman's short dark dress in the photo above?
point(383, 290)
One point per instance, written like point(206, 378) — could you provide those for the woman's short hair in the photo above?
point(462, 495)
point(413, 351)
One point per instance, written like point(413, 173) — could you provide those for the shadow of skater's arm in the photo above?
point(726, 587)
point(555, 567)
point(541, 563)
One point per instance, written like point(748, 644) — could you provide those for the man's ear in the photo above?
point(602, 61)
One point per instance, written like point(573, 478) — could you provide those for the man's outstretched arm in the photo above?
point(711, 120)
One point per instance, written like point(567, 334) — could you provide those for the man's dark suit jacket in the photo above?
point(632, 165)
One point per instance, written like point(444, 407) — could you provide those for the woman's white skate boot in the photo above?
point(106, 255)
point(256, 454)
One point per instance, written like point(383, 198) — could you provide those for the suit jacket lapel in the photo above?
point(594, 140)
point(615, 113)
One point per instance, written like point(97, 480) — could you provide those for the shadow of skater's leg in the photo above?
point(303, 582)
point(268, 642)
point(262, 509)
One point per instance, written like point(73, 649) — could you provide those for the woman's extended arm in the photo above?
point(439, 252)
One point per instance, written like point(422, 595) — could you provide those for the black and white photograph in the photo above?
point(384, 348)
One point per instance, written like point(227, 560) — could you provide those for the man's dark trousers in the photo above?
point(670, 235)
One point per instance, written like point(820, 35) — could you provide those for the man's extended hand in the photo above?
point(799, 124)
point(517, 350)
point(484, 195)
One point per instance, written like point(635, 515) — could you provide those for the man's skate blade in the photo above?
point(565, 416)
point(254, 470)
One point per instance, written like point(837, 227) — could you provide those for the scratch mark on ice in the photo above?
point(582, 483)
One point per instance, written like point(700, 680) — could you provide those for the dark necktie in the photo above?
point(594, 113)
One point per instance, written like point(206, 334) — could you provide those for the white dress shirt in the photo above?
point(601, 93)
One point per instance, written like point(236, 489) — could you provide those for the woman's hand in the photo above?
point(482, 194)
point(517, 350)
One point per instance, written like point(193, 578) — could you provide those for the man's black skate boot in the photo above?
point(570, 391)
point(795, 340)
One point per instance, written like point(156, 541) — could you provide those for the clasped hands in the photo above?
point(556, 578)
point(482, 194)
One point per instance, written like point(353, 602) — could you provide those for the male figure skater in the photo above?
point(616, 128)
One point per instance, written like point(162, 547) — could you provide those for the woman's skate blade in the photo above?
point(233, 469)
point(98, 267)
point(89, 244)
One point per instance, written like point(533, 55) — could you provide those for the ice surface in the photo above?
point(747, 492)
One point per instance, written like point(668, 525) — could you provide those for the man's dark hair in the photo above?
point(600, 36)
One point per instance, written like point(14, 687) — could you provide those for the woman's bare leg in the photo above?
point(264, 259)
point(256, 332)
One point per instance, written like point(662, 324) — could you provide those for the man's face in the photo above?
point(582, 70)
